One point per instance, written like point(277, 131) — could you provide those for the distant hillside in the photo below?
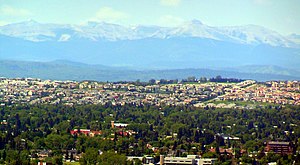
point(152, 53)
point(264, 69)
point(66, 70)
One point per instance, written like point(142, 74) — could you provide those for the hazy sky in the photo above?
point(279, 15)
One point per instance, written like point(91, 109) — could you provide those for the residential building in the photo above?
point(279, 147)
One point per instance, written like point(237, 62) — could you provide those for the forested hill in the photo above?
point(67, 70)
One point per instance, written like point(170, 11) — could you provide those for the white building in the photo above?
point(189, 160)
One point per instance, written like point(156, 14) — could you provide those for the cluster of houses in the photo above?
point(36, 91)
point(283, 92)
point(271, 146)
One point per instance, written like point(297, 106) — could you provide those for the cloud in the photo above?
point(2, 23)
point(109, 15)
point(170, 2)
point(262, 2)
point(169, 20)
point(17, 12)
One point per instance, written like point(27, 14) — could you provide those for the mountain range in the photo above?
point(97, 31)
point(244, 49)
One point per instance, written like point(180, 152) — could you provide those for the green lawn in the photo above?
point(71, 163)
point(241, 103)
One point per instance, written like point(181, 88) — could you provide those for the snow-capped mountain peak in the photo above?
point(196, 22)
point(249, 34)
point(253, 34)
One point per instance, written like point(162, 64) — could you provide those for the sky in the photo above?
point(282, 16)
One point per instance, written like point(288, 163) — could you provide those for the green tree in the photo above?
point(210, 155)
point(58, 160)
point(111, 158)
point(24, 157)
point(90, 157)
point(12, 157)
point(54, 142)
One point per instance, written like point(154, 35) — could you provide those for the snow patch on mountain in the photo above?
point(253, 34)
point(64, 38)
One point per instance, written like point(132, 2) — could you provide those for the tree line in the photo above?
point(180, 130)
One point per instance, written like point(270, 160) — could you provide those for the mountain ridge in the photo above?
point(248, 34)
